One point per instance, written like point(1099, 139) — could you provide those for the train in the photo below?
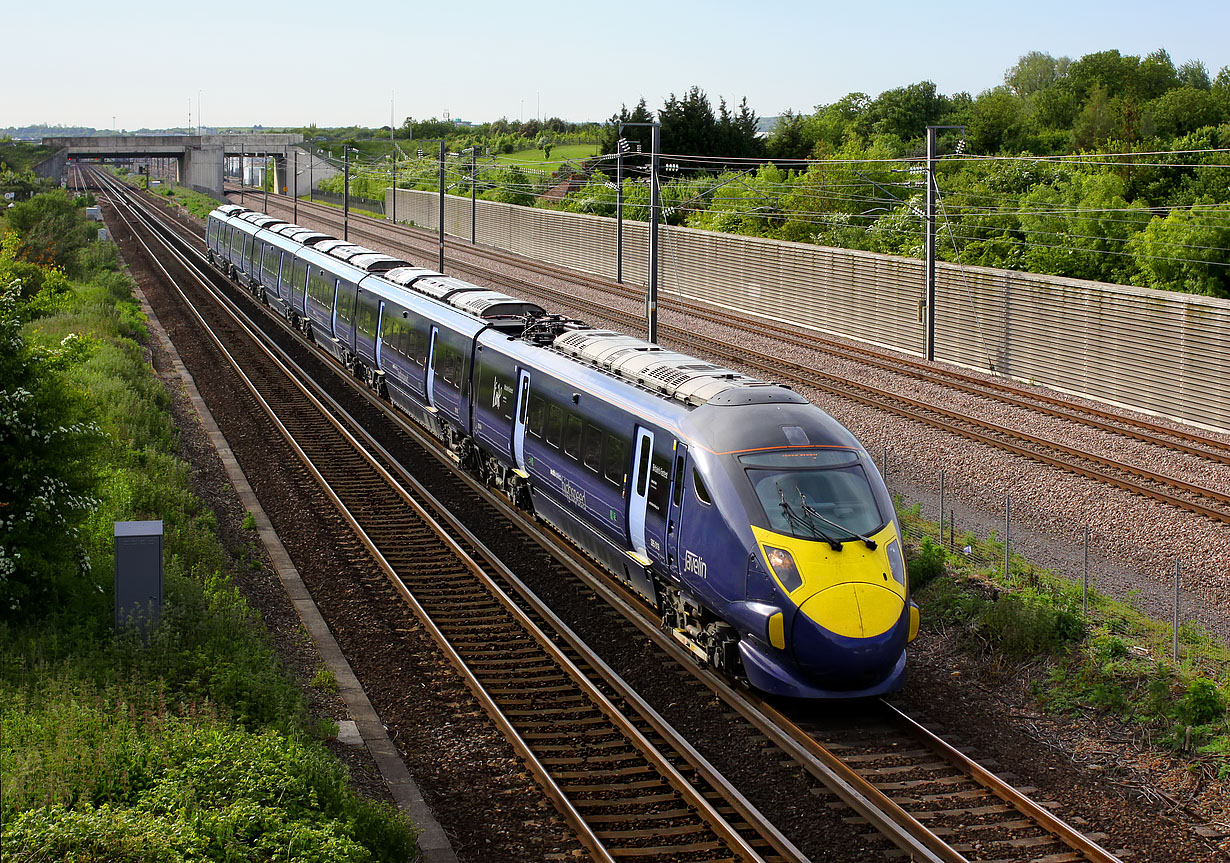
point(752, 522)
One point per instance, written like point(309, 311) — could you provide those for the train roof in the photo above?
point(670, 373)
point(261, 220)
point(472, 299)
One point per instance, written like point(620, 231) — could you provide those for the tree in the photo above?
point(52, 230)
point(1186, 251)
point(1195, 74)
point(1035, 72)
point(688, 124)
point(633, 134)
point(1096, 122)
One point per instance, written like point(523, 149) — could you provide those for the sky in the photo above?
point(278, 64)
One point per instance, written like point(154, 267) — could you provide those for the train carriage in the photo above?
point(752, 521)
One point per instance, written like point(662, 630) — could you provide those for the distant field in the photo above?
point(534, 158)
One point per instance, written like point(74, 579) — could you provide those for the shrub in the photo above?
point(1022, 628)
point(926, 564)
point(1201, 704)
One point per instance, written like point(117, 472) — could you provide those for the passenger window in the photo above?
point(702, 493)
point(677, 497)
point(572, 437)
point(616, 460)
point(538, 409)
point(555, 424)
point(593, 448)
point(642, 469)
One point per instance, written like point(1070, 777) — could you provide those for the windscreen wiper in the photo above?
point(868, 541)
point(795, 518)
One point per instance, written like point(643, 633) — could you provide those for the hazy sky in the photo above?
point(78, 63)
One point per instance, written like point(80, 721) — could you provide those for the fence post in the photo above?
point(1085, 576)
point(941, 531)
point(952, 529)
point(1177, 563)
point(1007, 533)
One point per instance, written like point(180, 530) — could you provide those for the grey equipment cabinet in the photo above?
point(138, 573)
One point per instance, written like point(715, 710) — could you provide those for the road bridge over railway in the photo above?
point(200, 158)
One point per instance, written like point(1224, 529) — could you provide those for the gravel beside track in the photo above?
point(816, 827)
point(1135, 541)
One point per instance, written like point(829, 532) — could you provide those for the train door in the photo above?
point(638, 500)
point(378, 339)
point(674, 509)
point(519, 419)
point(431, 368)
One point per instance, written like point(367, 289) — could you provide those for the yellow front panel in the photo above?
point(860, 596)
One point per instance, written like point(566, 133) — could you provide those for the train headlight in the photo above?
point(783, 567)
point(895, 562)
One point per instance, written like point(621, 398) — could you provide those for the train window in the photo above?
point(677, 497)
point(572, 436)
point(488, 389)
point(368, 315)
point(321, 288)
point(247, 252)
point(616, 461)
point(345, 302)
point(642, 468)
point(211, 233)
point(593, 448)
point(525, 403)
point(702, 493)
point(299, 279)
point(236, 242)
point(555, 424)
point(273, 259)
point(417, 343)
point(538, 410)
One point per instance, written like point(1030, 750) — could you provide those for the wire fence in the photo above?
point(1075, 561)
point(356, 203)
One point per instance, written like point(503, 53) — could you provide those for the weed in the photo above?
point(928, 563)
point(249, 521)
point(324, 679)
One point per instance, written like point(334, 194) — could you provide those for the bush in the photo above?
point(1021, 628)
point(1201, 704)
point(926, 564)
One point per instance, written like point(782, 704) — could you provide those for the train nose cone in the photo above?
point(850, 630)
point(855, 609)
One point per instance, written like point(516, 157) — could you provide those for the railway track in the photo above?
point(624, 781)
point(1210, 502)
point(909, 785)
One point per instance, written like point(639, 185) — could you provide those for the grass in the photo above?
point(191, 200)
point(1112, 659)
point(191, 742)
point(22, 155)
point(536, 160)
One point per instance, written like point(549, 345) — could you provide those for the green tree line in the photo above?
point(1157, 214)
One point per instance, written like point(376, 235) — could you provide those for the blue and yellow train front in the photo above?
point(828, 558)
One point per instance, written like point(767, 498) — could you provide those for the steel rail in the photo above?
point(918, 411)
point(691, 795)
point(1147, 431)
point(900, 827)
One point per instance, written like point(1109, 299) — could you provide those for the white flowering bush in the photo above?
point(46, 440)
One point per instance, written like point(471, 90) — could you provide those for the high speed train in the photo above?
point(754, 523)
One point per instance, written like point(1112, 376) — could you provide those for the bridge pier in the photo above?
point(200, 168)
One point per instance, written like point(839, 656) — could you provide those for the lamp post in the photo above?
point(932, 189)
point(442, 205)
point(295, 206)
point(473, 193)
point(346, 195)
point(651, 296)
